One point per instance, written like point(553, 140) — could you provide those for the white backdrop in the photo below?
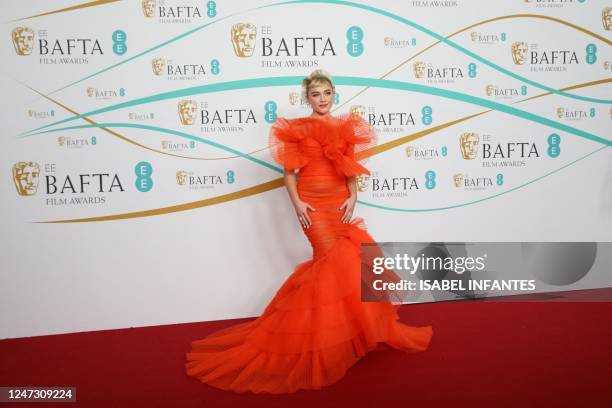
point(220, 236)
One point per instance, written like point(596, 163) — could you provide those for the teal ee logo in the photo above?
point(472, 70)
point(214, 67)
point(430, 179)
point(354, 46)
point(230, 176)
point(143, 171)
point(591, 53)
point(270, 111)
point(119, 45)
point(554, 148)
point(426, 115)
point(211, 8)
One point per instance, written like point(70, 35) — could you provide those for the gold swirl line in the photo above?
point(71, 8)
point(557, 20)
point(279, 182)
point(126, 139)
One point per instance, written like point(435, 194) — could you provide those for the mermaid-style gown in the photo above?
point(316, 326)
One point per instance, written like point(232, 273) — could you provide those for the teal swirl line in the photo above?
point(339, 80)
point(368, 8)
point(382, 207)
point(170, 132)
point(280, 170)
point(457, 47)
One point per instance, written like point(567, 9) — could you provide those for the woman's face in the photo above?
point(321, 98)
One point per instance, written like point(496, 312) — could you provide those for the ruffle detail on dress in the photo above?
point(285, 144)
point(347, 147)
point(360, 138)
point(347, 141)
point(314, 329)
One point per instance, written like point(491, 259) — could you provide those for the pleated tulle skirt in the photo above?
point(316, 326)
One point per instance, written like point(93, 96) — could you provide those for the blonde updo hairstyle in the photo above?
point(316, 77)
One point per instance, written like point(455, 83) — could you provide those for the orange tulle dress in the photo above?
point(316, 326)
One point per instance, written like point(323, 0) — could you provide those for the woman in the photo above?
point(316, 326)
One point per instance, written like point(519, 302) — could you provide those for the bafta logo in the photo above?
point(458, 179)
point(409, 150)
point(560, 113)
point(23, 40)
point(293, 98)
point(158, 65)
point(419, 69)
point(519, 52)
point(148, 8)
point(606, 16)
point(187, 110)
point(90, 92)
point(606, 65)
point(243, 39)
point(489, 90)
point(468, 142)
point(359, 110)
point(387, 41)
point(362, 182)
point(181, 177)
point(164, 144)
point(25, 176)
point(474, 35)
point(61, 140)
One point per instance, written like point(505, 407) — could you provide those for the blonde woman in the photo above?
point(316, 326)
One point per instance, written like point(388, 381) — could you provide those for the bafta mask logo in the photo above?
point(61, 140)
point(387, 41)
point(91, 92)
point(243, 39)
point(474, 35)
point(489, 90)
point(25, 175)
point(187, 111)
point(560, 113)
point(419, 69)
point(181, 177)
point(148, 8)
point(164, 144)
point(362, 182)
point(469, 145)
point(458, 179)
point(519, 52)
point(359, 110)
point(293, 98)
point(606, 16)
point(606, 65)
point(158, 65)
point(23, 40)
point(409, 150)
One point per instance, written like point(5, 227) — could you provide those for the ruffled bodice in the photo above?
point(318, 146)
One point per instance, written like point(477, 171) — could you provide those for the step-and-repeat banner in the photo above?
point(137, 185)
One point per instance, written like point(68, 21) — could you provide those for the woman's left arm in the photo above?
point(349, 203)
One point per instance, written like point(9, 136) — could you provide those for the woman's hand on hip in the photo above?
point(349, 206)
point(301, 209)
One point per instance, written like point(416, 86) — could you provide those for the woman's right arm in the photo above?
point(301, 207)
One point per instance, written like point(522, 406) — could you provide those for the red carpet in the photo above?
point(482, 354)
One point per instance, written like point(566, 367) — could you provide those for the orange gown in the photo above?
point(316, 326)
